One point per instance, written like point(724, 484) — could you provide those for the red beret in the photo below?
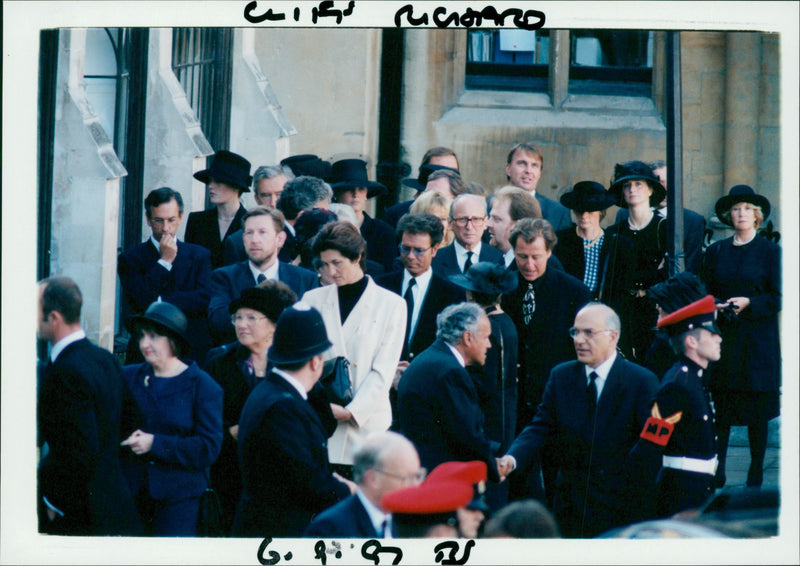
point(428, 497)
point(699, 314)
point(465, 472)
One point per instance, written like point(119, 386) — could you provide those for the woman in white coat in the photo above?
point(366, 324)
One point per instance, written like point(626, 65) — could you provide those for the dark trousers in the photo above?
point(168, 517)
point(679, 490)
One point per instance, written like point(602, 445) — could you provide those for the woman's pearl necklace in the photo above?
point(637, 227)
point(738, 242)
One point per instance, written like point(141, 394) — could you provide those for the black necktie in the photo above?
point(468, 263)
point(384, 525)
point(409, 297)
point(261, 278)
point(528, 304)
point(591, 392)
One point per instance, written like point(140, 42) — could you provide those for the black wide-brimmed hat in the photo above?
point(424, 172)
point(636, 170)
point(228, 167)
point(487, 277)
point(166, 317)
point(737, 194)
point(299, 336)
point(259, 300)
point(352, 173)
point(308, 164)
point(588, 196)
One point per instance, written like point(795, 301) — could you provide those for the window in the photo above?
point(613, 62)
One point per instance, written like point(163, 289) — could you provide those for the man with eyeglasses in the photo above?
point(385, 462)
point(166, 268)
point(592, 411)
point(468, 220)
point(263, 237)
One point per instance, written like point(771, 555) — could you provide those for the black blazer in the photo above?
point(381, 241)
point(594, 488)
point(284, 459)
point(441, 293)
point(346, 519)
point(438, 410)
point(85, 410)
point(554, 212)
point(545, 341)
point(187, 286)
point(446, 264)
point(202, 228)
point(227, 284)
point(393, 214)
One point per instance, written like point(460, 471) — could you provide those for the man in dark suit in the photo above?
point(385, 462)
point(299, 195)
point(592, 412)
point(468, 220)
point(282, 440)
point(524, 169)
point(84, 411)
point(437, 403)
point(167, 269)
point(263, 237)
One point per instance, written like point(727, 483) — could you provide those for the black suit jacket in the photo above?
point(441, 293)
point(544, 342)
point(202, 228)
point(346, 519)
point(187, 286)
point(446, 264)
point(438, 410)
point(554, 212)
point(594, 490)
point(284, 459)
point(381, 241)
point(227, 284)
point(85, 410)
point(393, 214)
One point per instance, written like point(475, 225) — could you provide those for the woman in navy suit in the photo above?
point(181, 434)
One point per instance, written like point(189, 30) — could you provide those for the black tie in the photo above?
point(261, 278)
point(409, 297)
point(384, 526)
point(591, 392)
point(468, 263)
point(528, 304)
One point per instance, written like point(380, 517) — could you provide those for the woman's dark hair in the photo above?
point(157, 329)
point(343, 237)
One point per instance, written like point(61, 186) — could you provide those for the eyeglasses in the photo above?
point(417, 477)
point(477, 221)
point(248, 319)
point(405, 250)
point(588, 332)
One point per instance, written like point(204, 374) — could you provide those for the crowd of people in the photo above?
point(472, 364)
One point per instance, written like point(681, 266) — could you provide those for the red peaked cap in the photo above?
point(699, 314)
point(472, 473)
point(428, 497)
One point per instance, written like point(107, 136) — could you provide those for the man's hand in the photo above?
point(340, 413)
point(169, 247)
point(738, 303)
point(398, 373)
point(505, 466)
point(140, 442)
point(234, 430)
point(350, 484)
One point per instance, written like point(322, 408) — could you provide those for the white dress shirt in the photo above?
point(461, 254)
point(270, 273)
point(602, 373)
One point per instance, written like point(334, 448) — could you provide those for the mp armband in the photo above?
point(657, 431)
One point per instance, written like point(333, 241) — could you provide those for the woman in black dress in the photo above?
point(227, 178)
point(636, 188)
point(496, 380)
point(744, 272)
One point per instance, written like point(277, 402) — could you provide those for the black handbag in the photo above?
point(209, 519)
point(336, 380)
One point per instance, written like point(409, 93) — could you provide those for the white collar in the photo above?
point(375, 515)
point(508, 257)
point(59, 346)
point(461, 251)
point(270, 273)
point(422, 280)
point(462, 362)
point(602, 372)
point(293, 382)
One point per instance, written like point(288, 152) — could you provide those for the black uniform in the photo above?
point(693, 438)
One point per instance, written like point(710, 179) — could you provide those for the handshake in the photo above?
point(505, 466)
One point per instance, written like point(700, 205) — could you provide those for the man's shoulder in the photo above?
point(490, 253)
point(392, 281)
point(301, 272)
point(138, 250)
point(194, 250)
point(230, 271)
point(634, 371)
point(566, 281)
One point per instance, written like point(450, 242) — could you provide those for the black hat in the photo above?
point(588, 196)
point(424, 172)
point(308, 164)
point(299, 336)
point(737, 194)
point(168, 318)
point(259, 300)
point(228, 167)
point(636, 170)
point(487, 277)
point(351, 173)
point(699, 314)
point(678, 291)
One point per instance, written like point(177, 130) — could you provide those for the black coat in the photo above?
point(187, 286)
point(346, 519)
point(594, 489)
point(284, 459)
point(438, 410)
point(545, 341)
point(554, 212)
point(446, 264)
point(393, 214)
point(85, 410)
point(202, 228)
point(381, 241)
